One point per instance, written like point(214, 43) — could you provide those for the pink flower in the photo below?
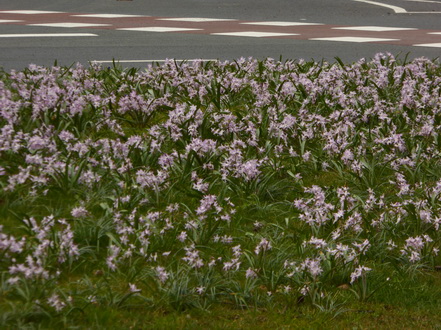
point(79, 212)
point(250, 273)
point(264, 245)
point(133, 288)
point(161, 274)
point(56, 303)
point(358, 272)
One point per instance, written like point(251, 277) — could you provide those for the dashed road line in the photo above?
point(107, 15)
point(10, 21)
point(254, 34)
point(436, 45)
point(353, 39)
point(373, 28)
point(31, 12)
point(159, 29)
point(281, 23)
point(69, 25)
point(44, 35)
point(196, 19)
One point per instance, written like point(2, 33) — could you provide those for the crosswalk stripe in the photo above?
point(269, 23)
point(158, 29)
point(107, 15)
point(195, 19)
point(296, 29)
point(254, 34)
point(42, 35)
point(30, 12)
point(372, 28)
point(353, 39)
point(69, 25)
point(10, 20)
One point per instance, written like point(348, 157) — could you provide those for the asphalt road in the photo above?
point(336, 35)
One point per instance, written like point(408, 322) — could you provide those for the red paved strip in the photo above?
point(302, 32)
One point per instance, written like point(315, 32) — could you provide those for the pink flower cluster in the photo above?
point(221, 170)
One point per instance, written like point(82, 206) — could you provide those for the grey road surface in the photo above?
point(24, 42)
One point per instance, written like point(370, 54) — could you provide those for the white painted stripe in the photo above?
point(428, 1)
point(254, 34)
point(195, 19)
point(397, 10)
point(69, 25)
point(150, 61)
point(42, 35)
point(107, 15)
point(30, 12)
point(158, 29)
point(434, 33)
point(10, 20)
point(281, 23)
point(373, 28)
point(353, 39)
point(436, 45)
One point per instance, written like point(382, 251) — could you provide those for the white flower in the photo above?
point(358, 272)
point(56, 303)
point(133, 288)
point(79, 212)
point(250, 273)
point(162, 274)
point(263, 245)
point(200, 289)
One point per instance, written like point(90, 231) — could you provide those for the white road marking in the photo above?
point(372, 28)
point(69, 25)
point(437, 45)
point(195, 19)
point(10, 20)
point(150, 61)
point(428, 1)
point(42, 35)
point(353, 39)
point(281, 23)
point(158, 29)
point(397, 10)
point(107, 15)
point(30, 12)
point(254, 34)
point(434, 33)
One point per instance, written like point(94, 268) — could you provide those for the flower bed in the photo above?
point(195, 184)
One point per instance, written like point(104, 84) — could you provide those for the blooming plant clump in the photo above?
point(187, 185)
